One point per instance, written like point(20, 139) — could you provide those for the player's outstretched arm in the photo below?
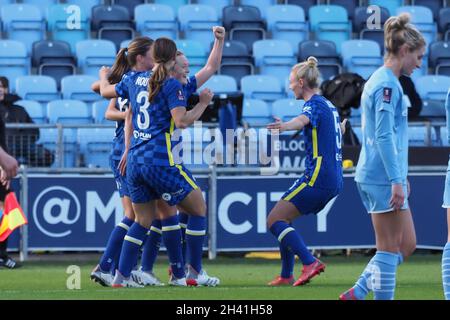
point(112, 113)
point(183, 118)
point(298, 123)
point(215, 57)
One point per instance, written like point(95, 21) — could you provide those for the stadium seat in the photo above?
point(130, 5)
point(433, 5)
point(422, 18)
point(86, 4)
point(325, 52)
point(360, 25)
point(330, 23)
point(54, 59)
point(36, 111)
point(349, 5)
point(217, 4)
point(220, 84)
point(23, 22)
point(42, 5)
point(125, 43)
point(155, 21)
point(112, 23)
point(65, 157)
point(236, 60)
point(78, 87)
point(287, 22)
point(267, 88)
point(98, 111)
point(421, 136)
point(287, 109)
point(68, 23)
point(391, 5)
point(256, 113)
point(262, 5)
point(444, 22)
point(195, 52)
point(14, 61)
point(68, 112)
point(196, 21)
point(174, 4)
point(439, 57)
point(274, 57)
point(244, 23)
point(305, 4)
point(40, 88)
point(95, 146)
point(361, 56)
point(93, 54)
point(444, 139)
point(433, 91)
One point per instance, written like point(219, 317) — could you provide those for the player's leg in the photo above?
point(446, 261)
point(286, 276)
point(183, 218)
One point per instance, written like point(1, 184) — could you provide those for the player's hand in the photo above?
point(3, 180)
point(206, 96)
point(277, 125)
point(343, 123)
point(123, 163)
point(9, 166)
point(103, 72)
point(398, 196)
point(219, 32)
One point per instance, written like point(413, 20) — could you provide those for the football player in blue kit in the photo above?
point(446, 204)
point(322, 180)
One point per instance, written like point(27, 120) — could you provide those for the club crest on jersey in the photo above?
point(166, 196)
point(387, 94)
point(180, 95)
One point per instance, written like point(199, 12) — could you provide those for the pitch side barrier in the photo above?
point(76, 209)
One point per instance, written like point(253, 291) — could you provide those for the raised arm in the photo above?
point(214, 59)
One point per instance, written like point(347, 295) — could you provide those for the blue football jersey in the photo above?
point(153, 125)
point(323, 164)
point(384, 122)
point(119, 138)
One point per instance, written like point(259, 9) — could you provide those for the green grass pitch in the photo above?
point(241, 278)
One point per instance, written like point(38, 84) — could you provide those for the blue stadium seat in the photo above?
point(361, 56)
point(174, 4)
point(439, 57)
point(444, 22)
point(256, 113)
point(349, 5)
point(244, 23)
point(112, 23)
point(330, 23)
point(49, 138)
point(95, 146)
point(195, 52)
point(125, 43)
point(262, 5)
point(433, 5)
point(130, 5)
point(433, 91)
point(325, 52)
point(54, 59)
point(14, 61)
point(220, 84)
point(69, 23)
point(274, 57)
point(98, 111)
point(23, 22)
point(93, 54)
point(444, 134)
point(287, 109)
point(86, 4)
point(236, 60)
point(419, 136)
point(360, 25)
point(287, 22)
point(267, 88)
point(422, 18)
point(68, 112)
point(217, 4)
point(155, 21)
point(391, 5)
point(78, 87)
point(36, 111)
point(42, 5)
point(196, 21)
point(5, 2)
point(40, 88)
point(305, 4)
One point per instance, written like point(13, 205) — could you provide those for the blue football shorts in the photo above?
point(121, 181)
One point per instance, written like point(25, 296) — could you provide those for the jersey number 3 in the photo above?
point(142, 99)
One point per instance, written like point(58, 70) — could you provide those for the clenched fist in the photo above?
point(206, 96)
point(219, 32)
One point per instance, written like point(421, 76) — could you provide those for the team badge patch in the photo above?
point(180, 95)
point(387, 94)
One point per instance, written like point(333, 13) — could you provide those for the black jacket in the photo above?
point(410, 90)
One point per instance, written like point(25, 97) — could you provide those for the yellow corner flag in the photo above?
point(13, 216)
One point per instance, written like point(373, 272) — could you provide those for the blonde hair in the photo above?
point(308, 71)
point(399, 31)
